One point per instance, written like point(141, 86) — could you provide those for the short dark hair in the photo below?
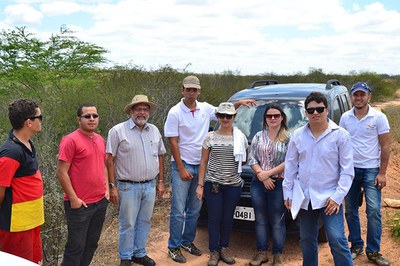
point(21, 110)
point(316, 97)
point(79, 112)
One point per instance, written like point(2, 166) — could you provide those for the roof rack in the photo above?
point(332, 83)
point(259, 83)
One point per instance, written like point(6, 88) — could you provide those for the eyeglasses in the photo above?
point(88, 116)
point(191, 90)
point(138, 109)
point(275, 116)
point(319, 110)
point(40, 117)
point(222, 116)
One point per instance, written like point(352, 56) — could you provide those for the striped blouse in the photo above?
point(222, 167)
point(266, 153)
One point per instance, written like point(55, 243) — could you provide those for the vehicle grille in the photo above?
point(247, 177)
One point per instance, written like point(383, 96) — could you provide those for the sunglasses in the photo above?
point(40, 117)
point(311, 110)
point(88, 116)
point(275, 116)
point(222, 116)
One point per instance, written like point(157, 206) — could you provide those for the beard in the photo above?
point(140, 122)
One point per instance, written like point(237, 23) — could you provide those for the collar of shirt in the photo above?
point(331, 126)
point(132, 125)
point(186, 109)
point(371, 111)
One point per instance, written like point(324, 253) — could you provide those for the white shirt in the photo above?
point(365, 136)
point(190, 127)
point(323, 166)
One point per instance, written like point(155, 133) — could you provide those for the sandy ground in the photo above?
point(243, 244)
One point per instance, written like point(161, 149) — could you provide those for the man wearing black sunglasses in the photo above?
point(83, 176)
point(21, 185)
point(320, 159)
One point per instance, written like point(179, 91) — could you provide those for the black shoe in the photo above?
point(176, 255)
point(146, 261)
point(192, 249)
point(125, 263)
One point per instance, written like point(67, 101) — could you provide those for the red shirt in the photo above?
point(87, 158)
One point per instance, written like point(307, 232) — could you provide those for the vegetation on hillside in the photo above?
point(64, 72)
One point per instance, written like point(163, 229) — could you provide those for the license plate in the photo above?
point(244, 213)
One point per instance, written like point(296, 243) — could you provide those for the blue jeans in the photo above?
point(365, 178)
point(84, 229)
point(334, 227)
point(185, 207)
point(220, 207)
point(270, 215)
point(136, 204)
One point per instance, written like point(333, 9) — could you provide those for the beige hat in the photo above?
point(191, 82)
point(226, 108)
point(141, 99)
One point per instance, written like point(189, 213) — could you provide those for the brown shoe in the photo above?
point(277, 261)
point(214, 258)
point(260, 258)
point(227, 256)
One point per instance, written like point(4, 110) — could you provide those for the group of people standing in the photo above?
point(330, 164)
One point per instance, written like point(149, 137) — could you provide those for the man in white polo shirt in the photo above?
point(369, 130)
point(186, 126)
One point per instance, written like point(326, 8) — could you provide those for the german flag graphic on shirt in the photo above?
point(22, 208)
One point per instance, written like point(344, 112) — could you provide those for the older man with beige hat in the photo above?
point(135, 163)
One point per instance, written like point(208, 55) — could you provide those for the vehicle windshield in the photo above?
point(250, 120)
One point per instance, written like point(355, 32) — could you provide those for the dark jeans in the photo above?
point(270, 215)
point(220, 208)
point(84, 229)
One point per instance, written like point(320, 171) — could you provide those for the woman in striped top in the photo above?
point(267, 159)
point(220, 181)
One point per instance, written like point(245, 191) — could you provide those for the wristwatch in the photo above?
point(111, 185)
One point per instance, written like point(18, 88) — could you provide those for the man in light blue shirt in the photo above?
point(320, 157)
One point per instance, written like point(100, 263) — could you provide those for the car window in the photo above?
point(250, 120)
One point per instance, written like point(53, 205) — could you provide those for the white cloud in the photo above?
point(57, 8)
point(252, 36)
point(22, 14)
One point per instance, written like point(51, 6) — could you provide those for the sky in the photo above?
point(247, 37)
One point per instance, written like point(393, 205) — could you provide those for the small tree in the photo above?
point(34, 64)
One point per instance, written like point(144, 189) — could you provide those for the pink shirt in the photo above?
point(87, 157)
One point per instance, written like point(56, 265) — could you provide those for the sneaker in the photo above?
point(227, 256)
point(277, 261)
point(214, 258)
point(260, 258)
point(146, 261)
point(378, 258)
point(192, 249)
point(176, 255)
point(125, 263)
point(356, 251)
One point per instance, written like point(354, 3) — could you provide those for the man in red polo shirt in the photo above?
point(83, 176)
point(21, 185)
